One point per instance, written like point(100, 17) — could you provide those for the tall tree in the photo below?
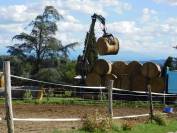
point(41, 43)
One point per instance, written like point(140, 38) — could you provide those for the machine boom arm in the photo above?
point(86, 61)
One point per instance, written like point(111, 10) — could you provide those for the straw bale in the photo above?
point(107, 46)
point(157, 84)
point(108, 77)
point(151, 70)
point(119, 68)
point(125, 82)
point(102, 67)
point(93, 79)
point(138, 83)
point(134, 69)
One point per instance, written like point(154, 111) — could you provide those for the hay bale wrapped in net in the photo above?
point(102, 67)
point(93, 79)
point(134, 69)
point(151, 70)
point(108, 77)
point(138, 83)
point(107, 46)
point(157, 84)
point(119, 68)
point(1, 81)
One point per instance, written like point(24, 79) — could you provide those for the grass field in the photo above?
point(80, 101)
point(171, 127)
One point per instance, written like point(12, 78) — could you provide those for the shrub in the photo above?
point(127, 126)
point(27, 95)
point(116, 127)
point(96, 122)
point(160, 119)
point(67, 93)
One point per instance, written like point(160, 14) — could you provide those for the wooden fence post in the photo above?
point(150, 102)
point(8, 97)
point(164, 99)
point(109, 88)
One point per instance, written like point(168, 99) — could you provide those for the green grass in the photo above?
point(153, 128)
point(80, 101)
point(140, 128)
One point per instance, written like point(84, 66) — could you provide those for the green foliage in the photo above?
point(67, 71)
point(92, 55)
point(170, 62)
point(27, 95)
point(116, 127)
point(96, 122)
point(40, 44)
point(67, 93)
point(127, 126)
point(160, 119)
point(48, 74)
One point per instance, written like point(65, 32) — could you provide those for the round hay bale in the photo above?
point(134, 68)
point(117, 82)
point(93, 79)
point(102, 67)
point(125, 82)
point(138, 83)
point(119, 67)
point(107, 46)
point(157, 84)
point(108, 77)
point(1, 81)
point(151, 70)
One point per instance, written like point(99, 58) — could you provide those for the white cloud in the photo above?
point(4, 41)
point(126, 27)
point(90, 6)
point(18, 13)
point(170, 2)
point(152, 38)
point(11, 28)
point(148, 14)
point(85, 6)
point(146, 34)
point(66, 26)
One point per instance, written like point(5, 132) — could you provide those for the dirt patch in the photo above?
point(59, 111)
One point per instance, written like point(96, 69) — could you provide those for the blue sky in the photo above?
point(147, 29)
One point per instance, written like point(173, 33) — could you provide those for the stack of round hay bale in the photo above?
point(137, 80)
point(152, 72)
point(120, 69)
point(132, 76)
point(100, 74)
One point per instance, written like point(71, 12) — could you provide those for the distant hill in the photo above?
point(160, 62)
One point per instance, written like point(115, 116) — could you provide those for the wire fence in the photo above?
point(72, 94)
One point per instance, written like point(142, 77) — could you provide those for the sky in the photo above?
point(146, 29)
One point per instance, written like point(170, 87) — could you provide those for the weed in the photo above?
point(160, 119)
point(96, 122)
point(67, 93)
point(28, 95)
point(127, 126)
